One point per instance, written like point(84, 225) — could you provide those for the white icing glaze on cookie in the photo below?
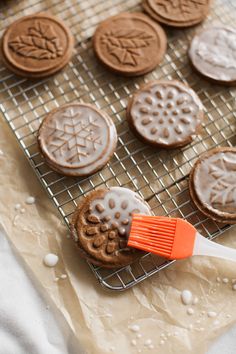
point(166, 112)
point(77, 137)
point(117, 207)
point(213, 53)
point(215, 182)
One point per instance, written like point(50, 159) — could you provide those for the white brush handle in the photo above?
point(205, 247)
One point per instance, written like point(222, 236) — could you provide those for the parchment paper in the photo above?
point(101, 319)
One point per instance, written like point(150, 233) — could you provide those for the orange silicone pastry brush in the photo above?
point(173, 238)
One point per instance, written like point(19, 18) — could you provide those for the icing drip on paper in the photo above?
point(186, 297)
point(50, 260)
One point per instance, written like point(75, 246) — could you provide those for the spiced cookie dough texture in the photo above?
point(101, 224)
point(213, 54)
point(177, 13)
point(130, 44)
point(213, 184)
point(166, 114)
point(37, 45)
point(77, 139)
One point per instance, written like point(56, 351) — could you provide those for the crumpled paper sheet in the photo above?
point(100, 318)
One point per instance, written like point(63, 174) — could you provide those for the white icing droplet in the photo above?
point(56, 279)
point(195, 300)
point(216, 323)
point(218, 279)
point(162, 342)
point(1, 153)
point(22, 210)
point(138, 335)
point(133, 342)
point(211, 314)
point(190, 311)
point(17, 206)
point(50, 260)
point(30, 200)
point(147, 342)
point(225, 280)
point(63, 276)
point(134, 328)
point(186, 297)
point(234, 287)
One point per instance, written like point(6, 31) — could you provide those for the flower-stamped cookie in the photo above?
point(37, 45)
point(77, 139)
point(101, 223)
point(213, 184)
point(130, 44)
point(165, 114)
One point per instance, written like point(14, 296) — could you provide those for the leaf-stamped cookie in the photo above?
point(177, 13)
point(77, 139)
point(213, 184)
point(125, 44)
point(37, 45)
point(223, 191)
point(213, 54)
point(41, 42)
point(130, 44)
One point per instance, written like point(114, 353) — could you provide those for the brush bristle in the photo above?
point(171, 238)
point(152, 234)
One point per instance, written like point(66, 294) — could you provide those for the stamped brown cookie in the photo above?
point(177, 13)
point(100, 226)
point(213, 184)
point(77, 139)
point(130, 44)
point(213, 54)
point(37, 45)
point(165, 113)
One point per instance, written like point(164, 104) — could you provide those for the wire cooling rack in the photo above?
point(160, 177)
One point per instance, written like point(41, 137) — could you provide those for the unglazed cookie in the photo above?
point(77, 139)
point(165, 113)
point(37, 45)
point(213, 54)
point(130, 44)
point(213, 184)
point(177, 13)
point(100, 226)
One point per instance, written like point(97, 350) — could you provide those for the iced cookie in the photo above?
point(213, 54)
point(101, 223)
point(77, 139)
point(177, 13)
point(37, 45)
point(213, 184)
point(130, 44)
point(165, 114)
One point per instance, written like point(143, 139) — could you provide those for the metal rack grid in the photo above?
point(160, 177)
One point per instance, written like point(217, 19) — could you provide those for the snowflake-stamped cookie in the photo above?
point(130, 44)
point(37, 45)
point(165, 114)
point(100, 226)
point(177, 13)
point(77, 139)
point(213, 184)
point(213, 54)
